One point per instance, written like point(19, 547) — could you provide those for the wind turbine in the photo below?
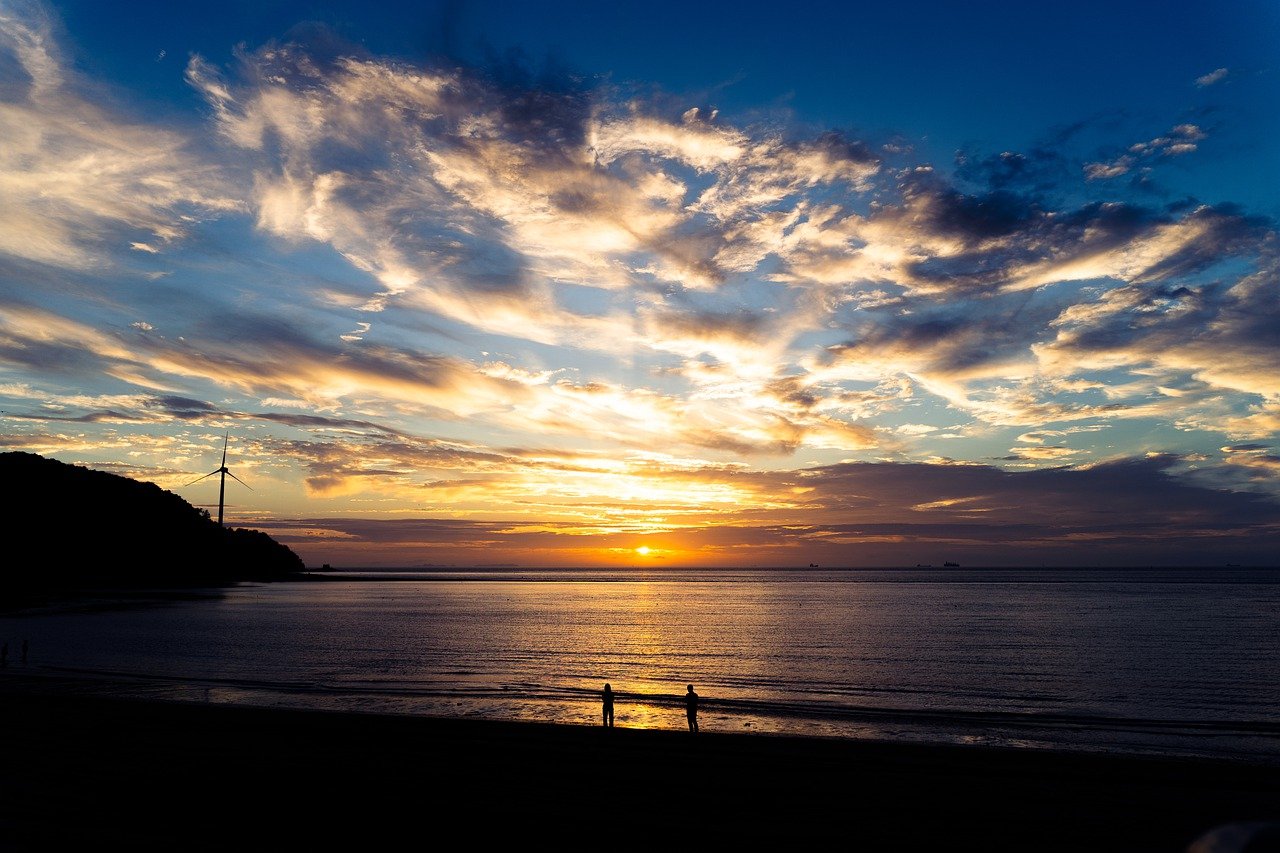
point(222, 481)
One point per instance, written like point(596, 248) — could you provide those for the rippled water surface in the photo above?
point(1155, 661)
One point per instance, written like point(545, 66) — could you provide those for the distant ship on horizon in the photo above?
point(951, 565)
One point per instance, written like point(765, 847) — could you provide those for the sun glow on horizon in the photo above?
point(643, 550)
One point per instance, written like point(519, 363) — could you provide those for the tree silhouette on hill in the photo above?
point(81, 527)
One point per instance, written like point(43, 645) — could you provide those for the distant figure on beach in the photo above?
point(608, 706)
point(691, 709)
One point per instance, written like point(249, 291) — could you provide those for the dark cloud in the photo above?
point(1004, 231)
point(53, 358)
point(184, 404)
point(550, 112)
point(1113, 513)
point(163, 409)
point(1223, 233)
point(945, 210)
point(792, 391)
point(130, 409)
point(949, 341)
point(787, 437)
point(1143, 491)
point(109, 416)
point(1008, 236)
point(1219, 331)
point(276, 356)
point(1151, 314)
point(742, 325)
point(400, 458)
point(182, 408)
point(1039, 171)
point(322, 422)
point(839, 147)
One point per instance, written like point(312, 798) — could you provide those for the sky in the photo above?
point(657, 284)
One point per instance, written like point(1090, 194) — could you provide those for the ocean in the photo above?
point(1171, 662)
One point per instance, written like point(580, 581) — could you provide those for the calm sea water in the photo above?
point(1173, 661)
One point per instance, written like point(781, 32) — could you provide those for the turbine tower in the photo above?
point(222, 481)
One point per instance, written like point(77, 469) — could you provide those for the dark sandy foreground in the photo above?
point(80, 772)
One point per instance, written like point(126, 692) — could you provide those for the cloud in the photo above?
point(1097, 515)
point(1215, 76)
point(260, 357)
point(1043, 168)
point(1041, 435)
point(1041, 453)
point(553, 216)
point(991, 329)
point(77, 179)
point(1217, 335)
point(1182, 139)
point(254, 354)
point(566, 278)
point(692, 141)
point(459, 185)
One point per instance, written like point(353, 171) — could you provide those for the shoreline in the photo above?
point(167, 773)
point(1063, 733)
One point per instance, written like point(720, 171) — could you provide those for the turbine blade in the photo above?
point(198, 479)
point(238, 480)
point(225, 439)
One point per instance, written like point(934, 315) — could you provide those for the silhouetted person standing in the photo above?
point(691, 709)
point(607, 706)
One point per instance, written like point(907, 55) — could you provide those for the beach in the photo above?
point(82, 770)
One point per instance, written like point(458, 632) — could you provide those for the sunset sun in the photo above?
point(643, 550)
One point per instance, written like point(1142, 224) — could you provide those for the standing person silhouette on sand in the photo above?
point(691, 709)
point(608, 706)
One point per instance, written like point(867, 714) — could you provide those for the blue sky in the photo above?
point(544, 284)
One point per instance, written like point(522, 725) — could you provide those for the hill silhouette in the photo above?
point(84, 528)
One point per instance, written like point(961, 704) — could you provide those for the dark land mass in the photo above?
point(81, 528)
point(91, 772)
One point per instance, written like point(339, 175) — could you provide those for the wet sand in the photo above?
point(92, 770)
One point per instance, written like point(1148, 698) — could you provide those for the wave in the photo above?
point(535, 694)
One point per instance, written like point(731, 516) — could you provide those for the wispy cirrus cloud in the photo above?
point(1215, 76)
point(78, 180)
